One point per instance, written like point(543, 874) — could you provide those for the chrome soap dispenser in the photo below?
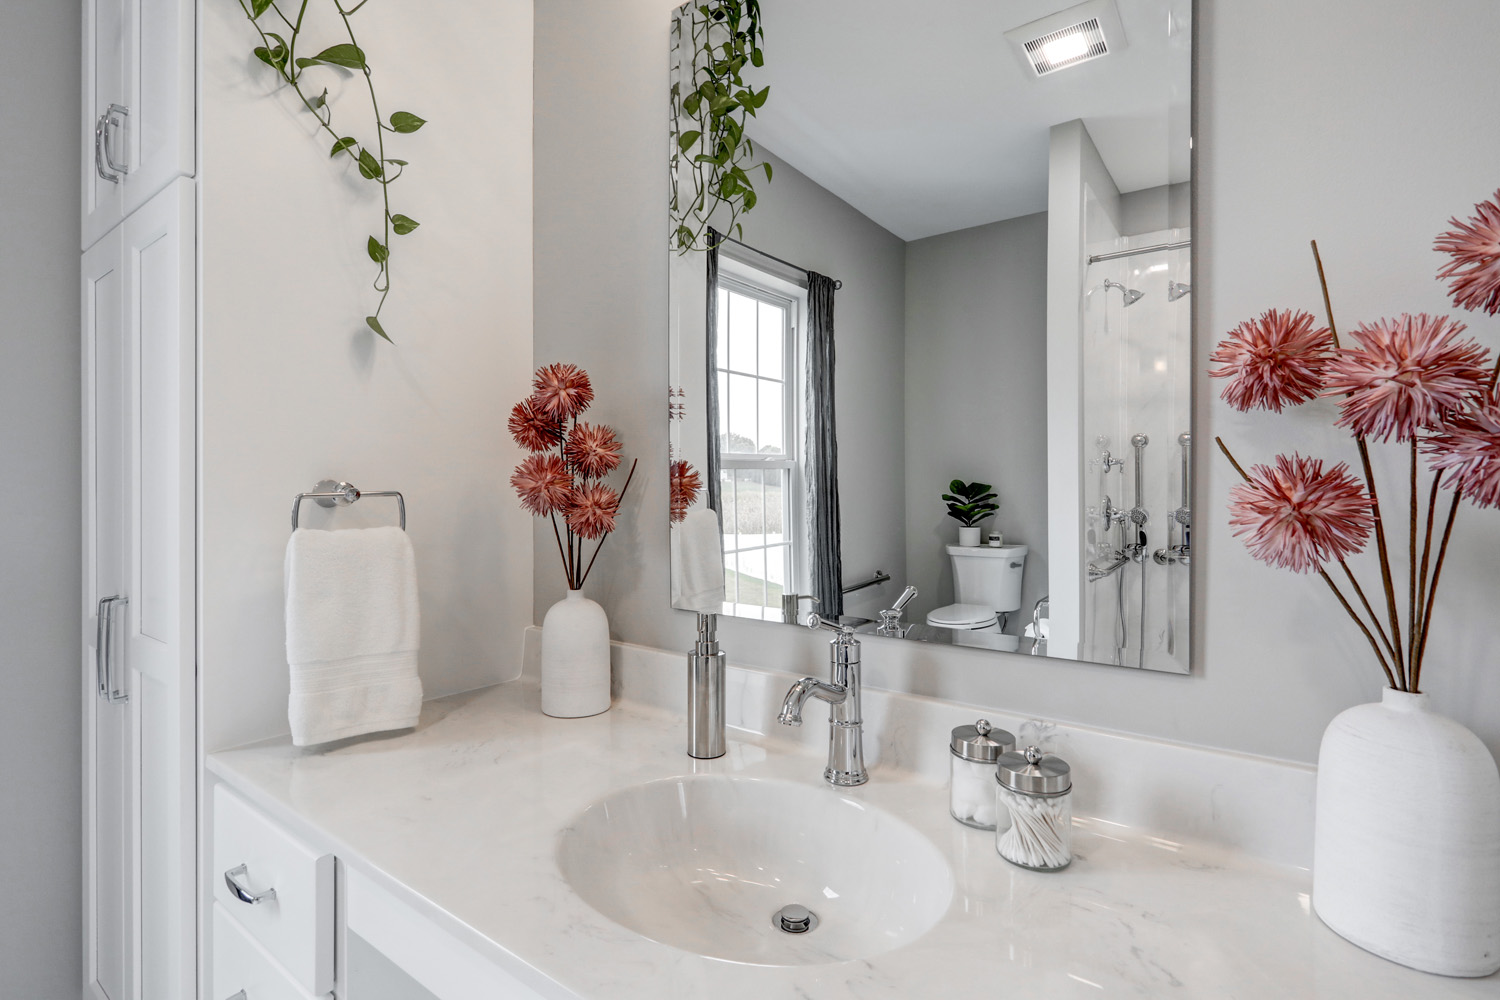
point(706, 692)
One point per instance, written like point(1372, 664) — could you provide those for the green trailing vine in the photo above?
point(280, 53)
point(711, 159)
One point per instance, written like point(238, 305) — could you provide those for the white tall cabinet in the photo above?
point(138, 608)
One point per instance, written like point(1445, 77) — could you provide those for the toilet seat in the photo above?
point(963, 616)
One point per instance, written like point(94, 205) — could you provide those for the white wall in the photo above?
point(1366, 127)
point(976, 321)
point(294, 389)
point(40, 766)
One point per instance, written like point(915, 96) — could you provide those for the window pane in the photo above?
point(775, 521)
point(772, 333)
point(741, 333)
point(741, 422)
point(772, 414)
point(752, 582)
point(777, 560)
point(749, 509)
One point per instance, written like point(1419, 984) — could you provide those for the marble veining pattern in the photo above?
point(461, 819)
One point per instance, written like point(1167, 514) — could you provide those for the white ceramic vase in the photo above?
point(1406, 859)
point(575, 658)
point(968, 536)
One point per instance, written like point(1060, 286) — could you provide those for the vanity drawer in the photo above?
point(283, 891)
point(242, 969)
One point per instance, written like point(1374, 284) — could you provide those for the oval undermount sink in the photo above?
point(705, 863)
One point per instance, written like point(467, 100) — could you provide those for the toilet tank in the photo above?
point(988, 576)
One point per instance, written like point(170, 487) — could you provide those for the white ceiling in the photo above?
point(919, 114)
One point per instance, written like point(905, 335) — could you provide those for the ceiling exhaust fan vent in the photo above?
point(1066, 47)
point(1069, 37)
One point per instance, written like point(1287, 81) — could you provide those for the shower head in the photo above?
point(1176, 290)
point(1131, 295)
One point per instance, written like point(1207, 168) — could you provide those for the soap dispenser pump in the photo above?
point(706, 692)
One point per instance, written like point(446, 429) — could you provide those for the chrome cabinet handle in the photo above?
point(99, 130)
point(241, 891)
point(104, 650)
point(115, 117)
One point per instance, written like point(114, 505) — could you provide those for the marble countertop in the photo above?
point(460, 819)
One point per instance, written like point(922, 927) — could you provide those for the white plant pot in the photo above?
point(1406, 858)
point(575, 658)
point(968, 536)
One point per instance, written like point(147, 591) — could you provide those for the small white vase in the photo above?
point(1406, 858)
point(968, 536)
point(575, 658)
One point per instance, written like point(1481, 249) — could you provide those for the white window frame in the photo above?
point(744, 278)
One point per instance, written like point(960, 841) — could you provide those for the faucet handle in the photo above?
point(904, 599)
point(846, 632)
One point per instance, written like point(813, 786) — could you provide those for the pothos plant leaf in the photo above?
point(370, 158)
point(715, 41)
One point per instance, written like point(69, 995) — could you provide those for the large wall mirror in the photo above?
point(937, 335)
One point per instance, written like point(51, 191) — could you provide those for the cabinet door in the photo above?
point(160, 330)
point(108, 869)
point(140, 473)
point(139, 105)
point(159, 90)
point(104, 34)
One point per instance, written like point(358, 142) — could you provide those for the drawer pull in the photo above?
point(243, 892)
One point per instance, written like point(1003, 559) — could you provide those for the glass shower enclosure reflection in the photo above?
point(1136, 543)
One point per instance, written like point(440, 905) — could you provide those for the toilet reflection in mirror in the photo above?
point(974, 265)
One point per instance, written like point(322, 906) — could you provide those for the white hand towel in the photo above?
point(698, 563)
point(353, 627)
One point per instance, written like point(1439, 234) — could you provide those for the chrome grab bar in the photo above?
point(881, 576)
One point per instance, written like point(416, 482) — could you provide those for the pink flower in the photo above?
point(593, 450)
point(1274, 361)
point(1298, 516)
point(1468, 449)
point(1408, 375)
point(561, 391)
point(1475, 249)
point(531, 430)
point(592, 510)
point(683, 485)
point(543, 483)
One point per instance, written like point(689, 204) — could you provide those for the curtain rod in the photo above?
point(1096, 258)
point(837, 284)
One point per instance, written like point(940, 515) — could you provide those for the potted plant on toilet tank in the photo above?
point(968, 504)
point(1406, 859)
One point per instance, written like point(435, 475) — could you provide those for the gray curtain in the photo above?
point(823, 451)
point(711, 335)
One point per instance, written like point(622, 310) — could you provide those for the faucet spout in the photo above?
point(800, 692)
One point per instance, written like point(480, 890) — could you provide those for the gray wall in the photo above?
point(1299, 135)
point(40, 767)
point(804, 223)
point(976, 395)
point(1168, 206)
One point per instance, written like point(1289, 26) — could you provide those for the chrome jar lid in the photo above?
point(980, 742)
point(1034, 773)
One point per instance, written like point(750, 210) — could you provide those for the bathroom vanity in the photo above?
point(455, 852)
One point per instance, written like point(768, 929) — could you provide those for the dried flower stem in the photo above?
point(1374, 618)
point(1379, 656)
point(1380, 542)
point(1411, 585)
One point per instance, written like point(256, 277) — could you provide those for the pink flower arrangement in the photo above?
point(683, 484)
point(564, 472)
point(1409, 380)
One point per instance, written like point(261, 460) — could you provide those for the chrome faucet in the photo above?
point(890, 619)
point(846, 753)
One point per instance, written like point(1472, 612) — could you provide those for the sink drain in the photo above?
point(794, 918)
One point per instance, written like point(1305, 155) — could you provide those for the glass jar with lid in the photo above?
point(1034, 810)
point(973, 751)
